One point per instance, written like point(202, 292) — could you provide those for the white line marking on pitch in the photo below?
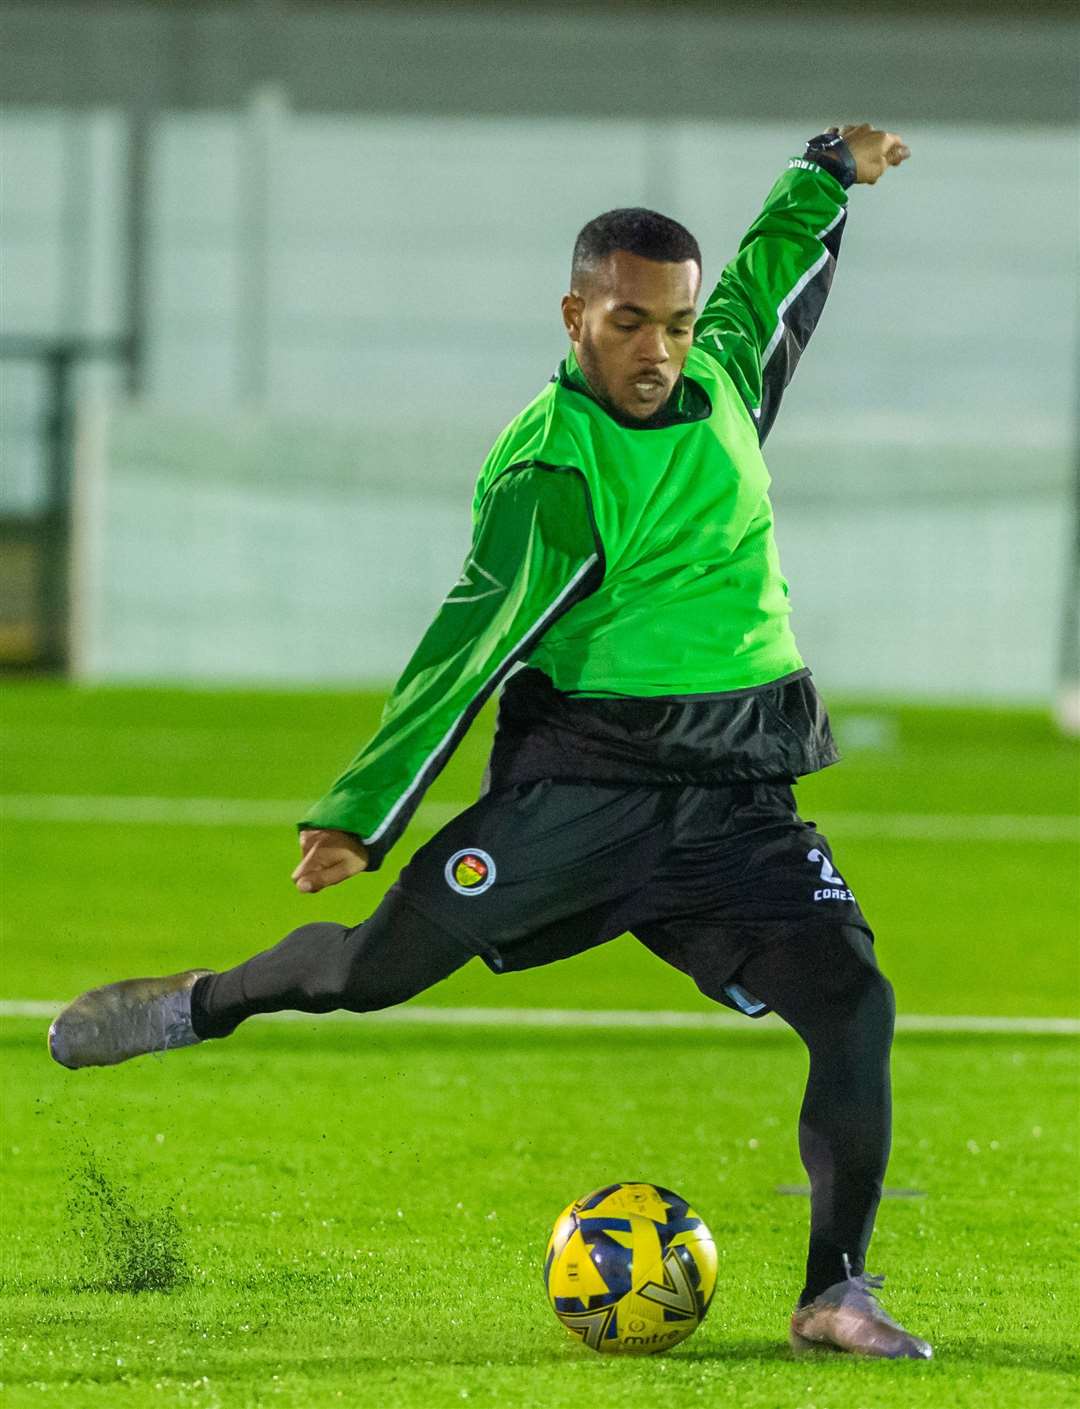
point(661, 1019)
point(283, 812)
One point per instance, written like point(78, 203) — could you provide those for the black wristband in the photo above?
point(832, 154)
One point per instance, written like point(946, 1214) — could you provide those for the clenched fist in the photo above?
point(873, 150)
point(329, 857)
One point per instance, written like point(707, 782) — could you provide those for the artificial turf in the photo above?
point(361, 1213)
point(351, 1212)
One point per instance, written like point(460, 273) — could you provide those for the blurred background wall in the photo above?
point(313, 255)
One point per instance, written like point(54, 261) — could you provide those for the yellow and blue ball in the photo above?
point(630, 1269)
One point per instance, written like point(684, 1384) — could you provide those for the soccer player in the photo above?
point(623, 582)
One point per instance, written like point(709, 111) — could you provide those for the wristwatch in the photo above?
point(832, 154)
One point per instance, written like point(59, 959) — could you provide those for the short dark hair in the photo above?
point(637, 231)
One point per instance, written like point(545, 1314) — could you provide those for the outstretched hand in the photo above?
point(873, 151)
point(328, 857)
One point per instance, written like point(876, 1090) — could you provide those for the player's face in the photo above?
point(631, 326)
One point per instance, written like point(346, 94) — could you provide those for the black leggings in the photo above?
point(830, 990)
point(826, 986)
point(392, 956)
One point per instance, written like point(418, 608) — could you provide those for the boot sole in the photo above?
point(802, 1346)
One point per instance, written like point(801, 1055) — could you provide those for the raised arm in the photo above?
point(762, 313)
point(534, 554)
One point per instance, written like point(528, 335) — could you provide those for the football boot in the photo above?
point(127, 1019)
point(848, 1316)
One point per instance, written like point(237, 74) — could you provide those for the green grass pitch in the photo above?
point(354, 1212)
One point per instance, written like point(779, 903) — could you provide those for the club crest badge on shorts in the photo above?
point(470, 872)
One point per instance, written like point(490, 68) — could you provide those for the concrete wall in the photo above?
point(923, 61)
point(409, 308)
point(352, 232)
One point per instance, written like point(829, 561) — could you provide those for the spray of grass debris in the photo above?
point(123, 1248)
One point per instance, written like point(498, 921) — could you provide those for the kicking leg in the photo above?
point(394, 955)
point(391, 957)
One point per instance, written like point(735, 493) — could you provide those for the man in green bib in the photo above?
point(623, 587)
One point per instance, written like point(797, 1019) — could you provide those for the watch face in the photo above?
point(831, 153)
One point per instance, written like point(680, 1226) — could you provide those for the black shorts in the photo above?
point(703, 876)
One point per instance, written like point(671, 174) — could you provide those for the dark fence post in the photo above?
point(49, 527)
point(56, 519)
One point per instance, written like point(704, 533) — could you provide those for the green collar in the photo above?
point(687, 402)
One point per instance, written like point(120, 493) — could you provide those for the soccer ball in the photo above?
point(630, 1269)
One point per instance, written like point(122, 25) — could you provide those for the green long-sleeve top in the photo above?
point(625, 561)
